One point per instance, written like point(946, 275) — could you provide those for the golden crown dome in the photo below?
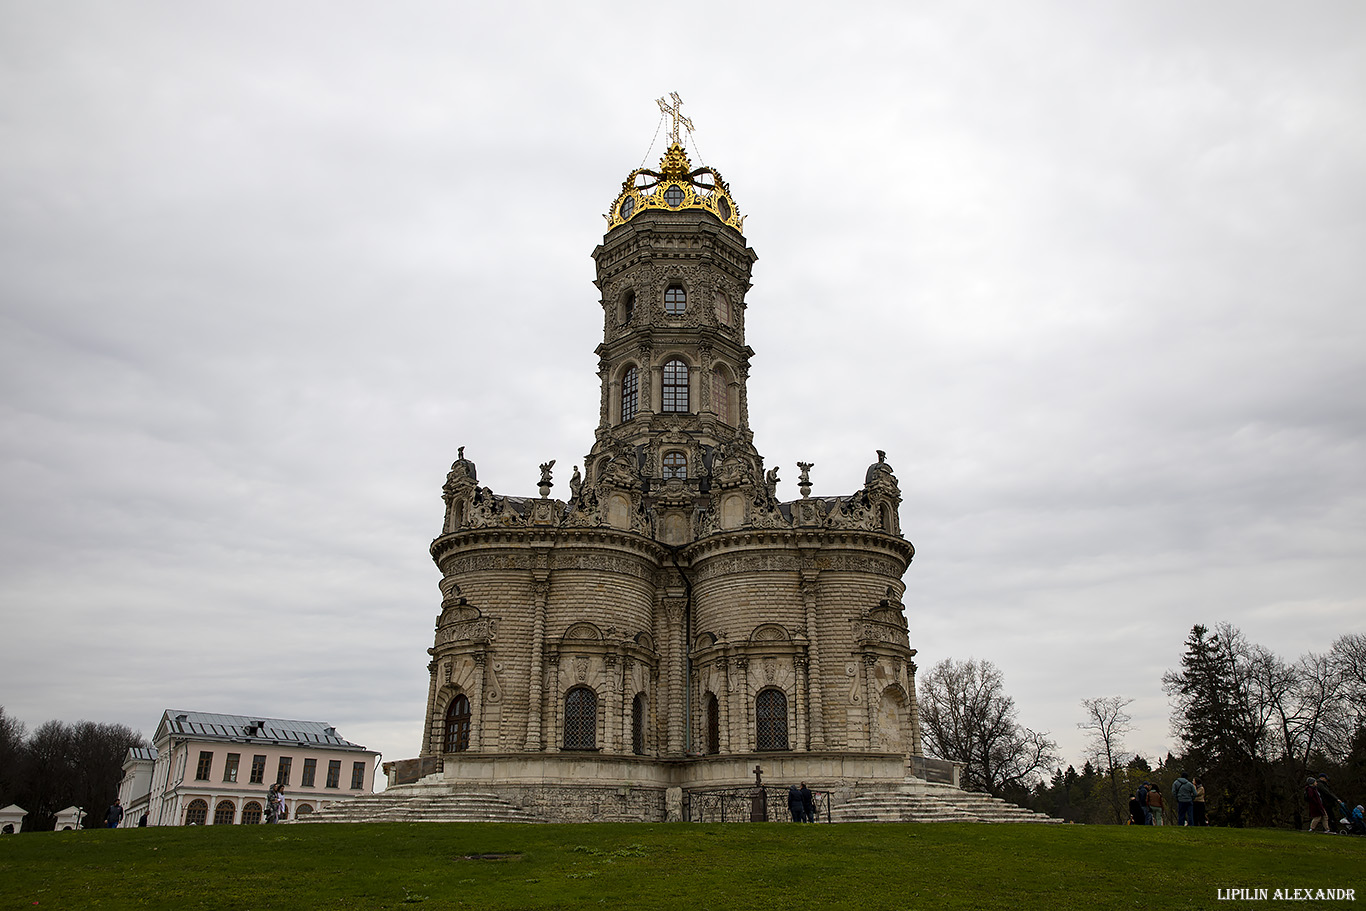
point(675, 186)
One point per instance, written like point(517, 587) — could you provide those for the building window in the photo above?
point(282, 773)
point(720, 395)
point(630, 393)
point(628, 306)
point(713, 715)
point(197, 813)
point(205, 766)
point(230, 769)
point(224, 813)
point(580, 719)
point(770, 713)
point(675, 300)
point(638, 725)
point(676, 386)
point(675, 465)
point(258, 769)
point(458, 725)
point(334, 773)
point(303, 809)
point(357, 776)
point(251, 814)
point(310, 771)
point(674, 196)
point(722, 309)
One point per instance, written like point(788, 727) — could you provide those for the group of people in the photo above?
point(275, 803)
point(1324, 805)
point(801, 803)
point(1146, 805)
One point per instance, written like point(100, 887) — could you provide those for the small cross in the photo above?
point(675, 113)
point(758, 776)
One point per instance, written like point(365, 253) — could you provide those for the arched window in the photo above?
point(580, 719)
point(676, 386)
point(197, 813)
point(770, 714)
point(224, 813)
point(303, 810)
point(638, 724)
point(251, 814)
point(630, 393)
point(675, 300)
point(713, 717)
point(628, 306)
point(458, 725)
point(720, 394)
point(675, 465)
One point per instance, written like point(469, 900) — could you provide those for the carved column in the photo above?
point(612, 679)
point(477, 699)
point(916, 748)
point(540, 592)
point(743, 404)
point(552, 678)
point(646, 377)
point(431, 711)
point(673, 612)
point(747, 709)
point(871, 696)
point(723, 705)
point(813, 650)
point(605, 374)
point(799, 687)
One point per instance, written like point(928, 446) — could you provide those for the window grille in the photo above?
point(675, 465)
point(251, 814)
point(675, 387)
point(458, 724)
point(630, 393)
point(770, 713)
point(638, 725)
point(720, 395)
point(224, 813)
point(197, 813)
point(580, 719)
point(675, 300)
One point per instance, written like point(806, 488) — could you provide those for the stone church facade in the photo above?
point(671, 624)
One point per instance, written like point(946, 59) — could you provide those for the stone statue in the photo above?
point(545, 474)
point(805, 469)
point(771, 482)
point(575, 484)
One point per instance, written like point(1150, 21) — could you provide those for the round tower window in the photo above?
point(628, 205)
point(674, 196)
point(723, 207)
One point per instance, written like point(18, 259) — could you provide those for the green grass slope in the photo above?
point(867, 867)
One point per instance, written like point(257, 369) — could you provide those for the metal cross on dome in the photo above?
point(675, 113)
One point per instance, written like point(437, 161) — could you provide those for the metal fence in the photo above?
point(748, 804)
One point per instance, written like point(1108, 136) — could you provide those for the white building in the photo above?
point(211, 769)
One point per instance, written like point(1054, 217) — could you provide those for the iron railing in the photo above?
point(748, 804)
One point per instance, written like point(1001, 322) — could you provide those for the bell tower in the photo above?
point(673, 272)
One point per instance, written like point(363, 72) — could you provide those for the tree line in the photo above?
point(1252, 725)
point(62, 765)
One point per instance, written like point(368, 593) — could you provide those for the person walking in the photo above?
point(1318, 815)
point(114, 815)
point(1183, 791)
point(794, 803)
point(1143, 802)
point(808, 804)
point(1330, 801)
point(1155, 806)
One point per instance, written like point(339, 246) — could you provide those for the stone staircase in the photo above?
point(400, 804)
point(931, 802)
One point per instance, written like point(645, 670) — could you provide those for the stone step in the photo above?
point(412, 805)
point(925, 802)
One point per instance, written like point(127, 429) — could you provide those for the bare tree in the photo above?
point(1349, 657)
point(1107, 722)
point(967, 717)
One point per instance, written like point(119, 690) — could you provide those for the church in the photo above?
point(670, 625)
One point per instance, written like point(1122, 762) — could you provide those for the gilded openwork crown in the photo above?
point(675, 186)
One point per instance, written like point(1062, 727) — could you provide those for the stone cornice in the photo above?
point(749, 540)
point(477, 540)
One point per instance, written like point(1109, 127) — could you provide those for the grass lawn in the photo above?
point(868, 867)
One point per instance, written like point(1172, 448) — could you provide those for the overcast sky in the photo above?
point(1091, 274)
